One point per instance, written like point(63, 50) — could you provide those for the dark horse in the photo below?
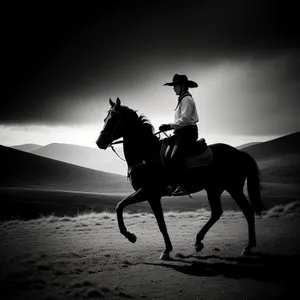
point(149, 178)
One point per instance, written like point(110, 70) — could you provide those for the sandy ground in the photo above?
point(85, 257)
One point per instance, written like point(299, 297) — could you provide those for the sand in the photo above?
point(85, 257)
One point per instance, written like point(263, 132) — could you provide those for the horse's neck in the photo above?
point(136, 149)
point(133, 150)
point(139, 142)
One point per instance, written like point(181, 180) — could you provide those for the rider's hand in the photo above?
point(164, 127)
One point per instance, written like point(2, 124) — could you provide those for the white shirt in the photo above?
point(185, 114)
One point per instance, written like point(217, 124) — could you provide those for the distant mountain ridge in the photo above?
point(102, 160)
point(27, 147)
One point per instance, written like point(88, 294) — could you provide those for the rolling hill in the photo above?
point(240, 147)
point(26, 170)
point(278, 159)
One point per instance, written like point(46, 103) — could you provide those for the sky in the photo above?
point(63, 62)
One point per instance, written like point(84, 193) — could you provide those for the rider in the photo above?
point(184, 125)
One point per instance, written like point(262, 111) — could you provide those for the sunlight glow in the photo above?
point(86, 136)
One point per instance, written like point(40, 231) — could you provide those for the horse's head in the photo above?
point(112, 129)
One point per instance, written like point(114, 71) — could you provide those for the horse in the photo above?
point(227, 172)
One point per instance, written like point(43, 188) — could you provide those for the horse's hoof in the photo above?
point(199, 247)
point(246, 252)
point(131, 237)
point(165, 256)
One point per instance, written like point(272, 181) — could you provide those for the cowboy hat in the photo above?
point(182, 79)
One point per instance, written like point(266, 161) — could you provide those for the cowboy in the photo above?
point(184, 125)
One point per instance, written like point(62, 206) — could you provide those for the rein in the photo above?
point(113, 149)
point(111, 145)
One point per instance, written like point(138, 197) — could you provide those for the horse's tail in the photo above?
point(254, 184)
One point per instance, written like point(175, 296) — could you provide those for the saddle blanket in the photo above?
point(199, 156)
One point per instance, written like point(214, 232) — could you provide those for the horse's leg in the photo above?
point(214, 199)
point(136, 197)
point(156, 206)
point(248, 212)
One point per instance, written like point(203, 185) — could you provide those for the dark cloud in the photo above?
point(52, 51)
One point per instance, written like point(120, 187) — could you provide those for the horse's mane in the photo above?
point(143, 123)
point(146, 124)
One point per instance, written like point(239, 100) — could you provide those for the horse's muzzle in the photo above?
point(103, 140)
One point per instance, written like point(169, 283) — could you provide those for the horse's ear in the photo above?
point(118, 101)
point(111, 102)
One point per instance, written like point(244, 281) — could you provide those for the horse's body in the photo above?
point(228, 171)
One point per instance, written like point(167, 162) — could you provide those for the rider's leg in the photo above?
point(175, 162)
point(185, 139)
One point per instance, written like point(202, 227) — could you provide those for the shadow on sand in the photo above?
point(259, 266)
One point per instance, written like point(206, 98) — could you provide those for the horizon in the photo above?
point(234, 141)
point(28, 138)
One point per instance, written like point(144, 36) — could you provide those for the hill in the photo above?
point(26, 170)
point(87, 157)
point(278, 159)
point(27, 147)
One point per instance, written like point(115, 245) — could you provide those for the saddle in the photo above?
point(199, 155)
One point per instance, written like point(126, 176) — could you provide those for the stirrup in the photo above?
point(179, 191)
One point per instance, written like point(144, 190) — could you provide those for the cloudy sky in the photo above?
point(62, 63)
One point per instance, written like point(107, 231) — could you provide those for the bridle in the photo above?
point(113, 149)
